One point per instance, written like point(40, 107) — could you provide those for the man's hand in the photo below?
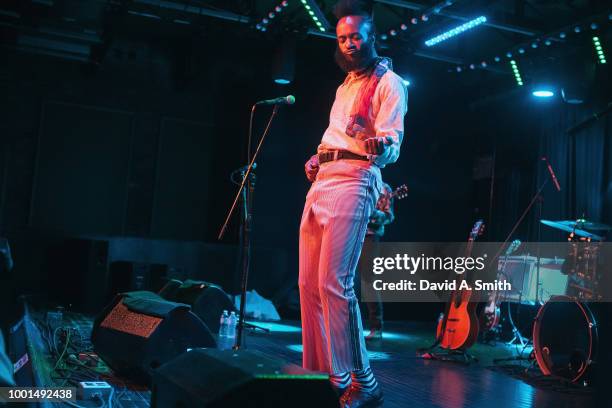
point(312, 168)
point(378, 217)
point(377, 145)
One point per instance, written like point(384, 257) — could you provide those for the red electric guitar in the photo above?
point(458, 326)
point(491, 313)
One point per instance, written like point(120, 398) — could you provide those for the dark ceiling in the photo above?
point(536, 33)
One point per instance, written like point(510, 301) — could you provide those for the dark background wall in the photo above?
point(142, 145)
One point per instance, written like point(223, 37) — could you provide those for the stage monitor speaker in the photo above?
point(207, 301)
point(140, 331)
point(231, 379)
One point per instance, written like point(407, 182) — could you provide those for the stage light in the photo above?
point(497, 59)
point(534, 45)
point(264, 21)
point(283, 64)
point(459, 69)
point(483, 64)
point(509, 54)
point(521, 50)
point(393, 33)
point(577, 29)
point(562, 35)
point(547, 42)
point(315, 14)
point(472, 66)
point(455, 31)
point(383, 37)
point(594, 26)
point(424, 17)
point(517, 73)
point(403, 27)
point(599, 50)
point(414, 20)
point(543, 93)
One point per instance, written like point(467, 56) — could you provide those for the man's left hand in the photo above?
point(377, 145)
point(378, 216)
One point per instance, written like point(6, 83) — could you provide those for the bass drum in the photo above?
point(565, 338)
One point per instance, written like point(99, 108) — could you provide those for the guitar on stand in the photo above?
point(458, 326)
point(491, 314)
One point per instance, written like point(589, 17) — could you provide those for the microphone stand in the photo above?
point(246, 222)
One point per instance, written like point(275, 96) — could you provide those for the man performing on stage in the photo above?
point(364, 134)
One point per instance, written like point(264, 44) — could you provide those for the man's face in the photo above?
point(351, 33)
point(355, 43)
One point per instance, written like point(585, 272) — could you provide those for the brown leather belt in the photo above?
point(338, 155)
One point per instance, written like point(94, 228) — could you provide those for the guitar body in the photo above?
point(458, 326)
point(461, 328)
point(491, 314)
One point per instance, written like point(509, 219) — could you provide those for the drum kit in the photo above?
point(565, 332)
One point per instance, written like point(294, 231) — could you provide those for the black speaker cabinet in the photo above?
point(207, 301)
point(226, 379)
point(140, 331)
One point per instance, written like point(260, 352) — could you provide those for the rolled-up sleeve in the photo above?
point(392, 101)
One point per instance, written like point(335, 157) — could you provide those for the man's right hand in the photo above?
point(312, 168)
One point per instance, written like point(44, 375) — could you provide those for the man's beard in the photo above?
point(356, 61)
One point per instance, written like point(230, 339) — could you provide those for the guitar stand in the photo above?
point(452, 356)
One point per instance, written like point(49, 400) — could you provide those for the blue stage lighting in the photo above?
point(599, 50)
point(456, 31)
point(517, 73)
point(406, 82)
point(543, 93)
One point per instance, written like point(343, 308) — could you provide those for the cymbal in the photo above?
point(572, 226)
point(588, 225)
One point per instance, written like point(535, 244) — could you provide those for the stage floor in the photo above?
point(407, 380)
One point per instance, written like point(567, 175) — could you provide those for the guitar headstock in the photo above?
point(477, 230)
point(401, 192)
point(513, 247)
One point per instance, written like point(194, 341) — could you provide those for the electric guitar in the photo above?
point(399, 193)
point(458, 326)
point(490, 317)
point(384, 201)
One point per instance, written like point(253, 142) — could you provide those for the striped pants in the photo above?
point(332, 231)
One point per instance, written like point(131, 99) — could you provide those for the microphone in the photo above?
point(552, 174)
point(283, 100)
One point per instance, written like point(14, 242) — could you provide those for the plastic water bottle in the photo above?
point(222, 340)
point(231, 329)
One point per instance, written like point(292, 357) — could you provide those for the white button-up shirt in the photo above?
point(389, 105)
